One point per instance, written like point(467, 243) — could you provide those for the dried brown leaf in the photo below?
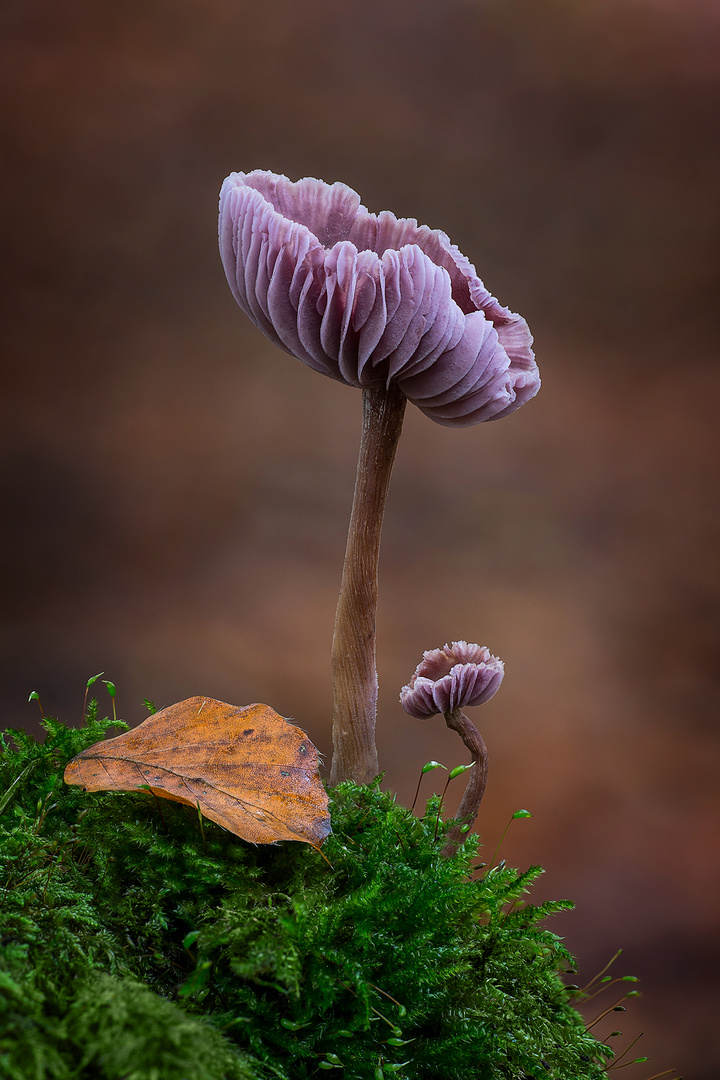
point(248, 769)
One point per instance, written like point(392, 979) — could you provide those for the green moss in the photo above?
point(136, 945)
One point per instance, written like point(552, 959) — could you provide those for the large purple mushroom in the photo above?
point(393, 308)
point(372, 299)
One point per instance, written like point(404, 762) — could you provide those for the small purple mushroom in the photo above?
point(446, 681)
point(452, 678)
point(389, 306)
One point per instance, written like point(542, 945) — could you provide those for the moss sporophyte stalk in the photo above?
point(135, 946)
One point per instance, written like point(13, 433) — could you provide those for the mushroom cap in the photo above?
point(454, 677)
point(369, 299)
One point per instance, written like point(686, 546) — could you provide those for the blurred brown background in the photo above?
point(176, 491)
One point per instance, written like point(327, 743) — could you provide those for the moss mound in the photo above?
point(138, 942)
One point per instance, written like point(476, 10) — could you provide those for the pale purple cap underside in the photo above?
point(452, 678)
point(370, 299)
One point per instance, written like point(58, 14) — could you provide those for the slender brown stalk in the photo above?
point(354, 673)
point(472, 797)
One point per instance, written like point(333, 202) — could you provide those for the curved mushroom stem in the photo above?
point(355, 684)
point(470, 802)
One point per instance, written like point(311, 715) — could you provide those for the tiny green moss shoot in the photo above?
point(132, 949)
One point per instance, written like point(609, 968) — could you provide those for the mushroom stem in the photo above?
point(470, 803)
point(355, 684)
